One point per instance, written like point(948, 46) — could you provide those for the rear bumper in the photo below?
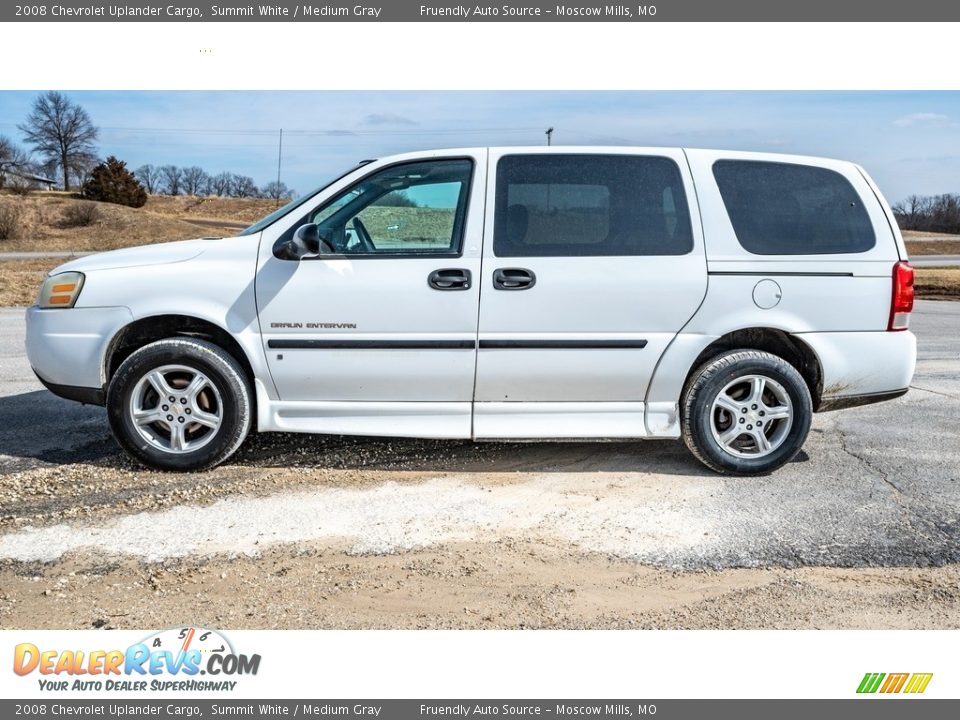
point(859, 368)
point(849, 401)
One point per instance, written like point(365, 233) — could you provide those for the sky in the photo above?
point(908, 141)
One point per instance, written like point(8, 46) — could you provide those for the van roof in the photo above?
point(617, 149)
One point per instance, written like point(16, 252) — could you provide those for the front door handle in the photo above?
point(513, 279)
point(450, 279)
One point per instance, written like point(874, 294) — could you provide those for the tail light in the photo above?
point(902, 304)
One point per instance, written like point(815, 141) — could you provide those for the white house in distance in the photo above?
point(34, 182)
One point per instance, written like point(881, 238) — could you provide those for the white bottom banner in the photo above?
point(199, 662)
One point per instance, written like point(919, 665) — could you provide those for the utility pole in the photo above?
point(279, 160)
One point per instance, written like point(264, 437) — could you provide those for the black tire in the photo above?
point(227, 390)
point(699, 419)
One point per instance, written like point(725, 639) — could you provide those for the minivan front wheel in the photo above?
point(746, 412)
point(179, 404)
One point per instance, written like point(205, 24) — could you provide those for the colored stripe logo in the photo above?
point(912, 683)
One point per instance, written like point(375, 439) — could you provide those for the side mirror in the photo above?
point(305, 241)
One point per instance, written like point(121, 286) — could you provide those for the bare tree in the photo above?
point(14, 167)
point(83, 165)
point(61, 132)
point(12, 158)
point(911, 210)
point(243, 186)
point(149, 176)
point(48, 169)
point(220, 184)
point(172, 179)
point(937, 213)
point(194, 180)
point(276, 190)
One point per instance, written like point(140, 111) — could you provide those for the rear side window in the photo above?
point(786, 209)
point(590, 205)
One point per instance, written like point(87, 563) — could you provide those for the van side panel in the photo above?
point(593, 327)
point(838, 304)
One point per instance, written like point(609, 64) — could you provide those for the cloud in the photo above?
point(387, 119)
point(927, 119)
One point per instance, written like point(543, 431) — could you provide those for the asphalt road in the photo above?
point(874, 486)
point(935, 260)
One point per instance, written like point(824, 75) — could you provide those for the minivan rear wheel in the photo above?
point(179, 404)
point(746, 412)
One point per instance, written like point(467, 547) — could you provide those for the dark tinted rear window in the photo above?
point(786, 209)
point(583, 205)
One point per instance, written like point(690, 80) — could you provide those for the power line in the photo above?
point(329, 132)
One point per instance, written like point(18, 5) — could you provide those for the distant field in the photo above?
point(241, 210)
point(938, 283)
point(20, 280)
point(931, 243)
point(406, 226)
point(924, 234)
point(933, 247)
point(45, 223)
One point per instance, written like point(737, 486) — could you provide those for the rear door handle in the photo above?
point(450, 279)
point(513, 279)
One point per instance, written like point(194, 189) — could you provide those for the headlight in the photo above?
point(61, 291)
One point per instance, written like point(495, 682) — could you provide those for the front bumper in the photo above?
point(85, 395)
point(66, 347)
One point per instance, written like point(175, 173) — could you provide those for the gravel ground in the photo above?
point(502, 584)
point(860, 531)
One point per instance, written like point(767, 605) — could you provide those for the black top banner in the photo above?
point(524, 11)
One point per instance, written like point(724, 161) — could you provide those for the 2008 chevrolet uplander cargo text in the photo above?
point(498, 293)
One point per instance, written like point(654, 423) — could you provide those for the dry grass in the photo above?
point(20, 280)
point(939, 283)
point(81, 213)
point(933, 247)
point(46, 222)
point(10, 223)
point(46, 225)
point(242, 210)
point(921, 242)
point(919, 234)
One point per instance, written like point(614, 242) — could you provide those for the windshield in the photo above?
point(294, 204)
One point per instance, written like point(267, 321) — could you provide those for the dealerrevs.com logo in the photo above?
point(181, 659)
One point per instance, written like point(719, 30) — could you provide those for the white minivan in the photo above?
point(503, 293)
